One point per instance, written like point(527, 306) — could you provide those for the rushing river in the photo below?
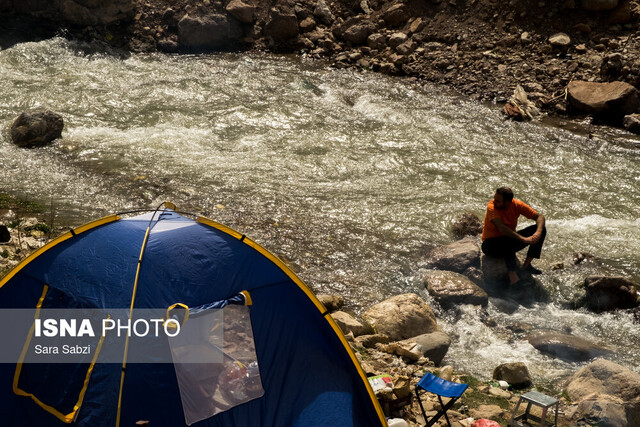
point(350, 177)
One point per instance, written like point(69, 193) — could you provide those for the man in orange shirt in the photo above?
point(500, 238)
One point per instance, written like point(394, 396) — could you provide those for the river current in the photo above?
point(350, 177)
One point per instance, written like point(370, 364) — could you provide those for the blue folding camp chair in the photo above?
point(440, 387)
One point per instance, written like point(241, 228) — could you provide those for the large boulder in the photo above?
point(402, 316)
point(210, 32)
point(242, 11)
point(598, 5)
point(611, 100)
point(282, 25)
point(433, 346)
point(610, 293)
point(565, 347)
point(36, 128)
point(468, 224)
point(606, 391)
point(451, 289)
point(516, 374)
point(457, 256)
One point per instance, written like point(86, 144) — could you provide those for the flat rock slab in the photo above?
point(451, 289)
point(457, 256)
point(603, 99)
point(566, 347)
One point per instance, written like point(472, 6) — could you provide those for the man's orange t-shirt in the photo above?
point(508, 216)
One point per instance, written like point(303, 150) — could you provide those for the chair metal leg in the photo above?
point(424, 414)
point(444, 409)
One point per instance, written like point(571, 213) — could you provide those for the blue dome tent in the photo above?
point(159, 260)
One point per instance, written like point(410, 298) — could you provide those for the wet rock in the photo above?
point(210, 32)
point(331, 302)
point(451, 289)
point(613, 100)
point(467, 224)
point(434, 345)
point(605, 391)
point(36, 128)
point(323, 13)
point(632, 123)
point(168, 46)
point(610, 293)
point(565, 347)
point(598, 5)
point(282, 25)
point(396, 15)
point(582, 257)
point(348, 323)
point(242, 11)
point(402, 316)
point(504, 305)
point(457, 256)
point(516, 374)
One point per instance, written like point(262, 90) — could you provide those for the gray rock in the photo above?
point(457, 256)
point(515, 374)
point(402, 316)
point(36, 128)
point(615, 99)
point(451, 289)
point(610, 293)
point(211, 32)
point(331, 302)
point(606, 388)
point(598, 5)
point(434, 345)
point(282, 25)
point(467, 224)
point(242, 11)
point(632, 123)
point(566, 347)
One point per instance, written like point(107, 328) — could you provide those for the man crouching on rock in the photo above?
point(500, 238)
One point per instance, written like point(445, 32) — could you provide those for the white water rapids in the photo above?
point(349, 177)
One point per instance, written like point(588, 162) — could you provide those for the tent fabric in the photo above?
point(309, 373)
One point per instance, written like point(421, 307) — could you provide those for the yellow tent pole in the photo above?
point(133, 299)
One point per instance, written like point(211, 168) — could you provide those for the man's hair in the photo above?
point(506, 193)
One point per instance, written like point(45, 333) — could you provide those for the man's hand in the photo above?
point(535, 238)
